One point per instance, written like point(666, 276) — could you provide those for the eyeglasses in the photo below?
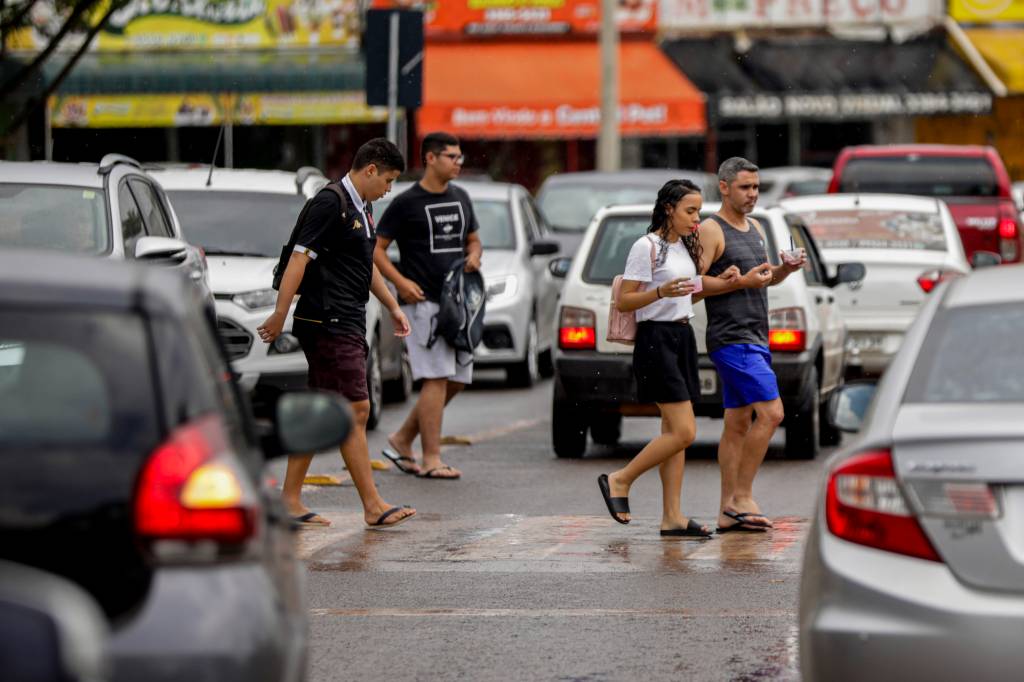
point(456, 158)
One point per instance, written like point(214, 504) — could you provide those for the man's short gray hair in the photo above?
point(731, 168)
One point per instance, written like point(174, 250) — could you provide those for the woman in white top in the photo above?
point(658, 283)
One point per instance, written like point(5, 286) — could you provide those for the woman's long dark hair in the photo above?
point(668, 196)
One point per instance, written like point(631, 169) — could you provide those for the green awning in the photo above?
point(213, 72)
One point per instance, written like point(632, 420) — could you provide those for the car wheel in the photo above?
point(374, 385)
point(546, 363)
point(606, 429)
point(568, 430)
point(524, 373)
point(803, 422)
point(398, 390)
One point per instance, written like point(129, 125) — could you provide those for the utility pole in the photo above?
point(393, 77)
point(609, 144)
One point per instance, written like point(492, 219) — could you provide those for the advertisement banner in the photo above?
point(482, 18)
point(200, 25)
point(202, 109)
point(682, 16)
point(986, 11)
point(850, 105)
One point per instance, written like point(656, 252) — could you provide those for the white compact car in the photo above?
point(242, 219)
point(521, 292)
point(908, 245)
point(594, 385)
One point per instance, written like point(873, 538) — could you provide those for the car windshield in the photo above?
point(570, 207)
point(802, 188)
point(875, 229)
point(59, 218)
point(494, 218)
point(237, 223)
point(955, 366)
point(611, 247)
point(932, 176)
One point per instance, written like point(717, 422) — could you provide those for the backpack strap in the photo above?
point(305, 209)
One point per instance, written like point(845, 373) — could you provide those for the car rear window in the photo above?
point(873, 229)
point(570, 207)
point(611, 246)
point(54, 217)
point(932, 176)
point(971, 355)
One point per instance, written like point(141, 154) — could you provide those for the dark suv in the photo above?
point(129, 465)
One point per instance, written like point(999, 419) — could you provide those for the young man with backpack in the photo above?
point(435, 227)
point(331, 264)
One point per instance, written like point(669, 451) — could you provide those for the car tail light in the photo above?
point(189, 490)
point(1008, 237)
point(577, 329)
point(933, 278)
point(959, 499)
point(787, 330)
point(864, 505)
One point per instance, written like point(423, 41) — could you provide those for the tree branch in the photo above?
point(19, 119)
point(72, 21)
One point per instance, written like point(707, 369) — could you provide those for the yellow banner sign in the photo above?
point(201, 109)
point(198, 25)
point(986, 11)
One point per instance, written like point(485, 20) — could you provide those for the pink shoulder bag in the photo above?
point(622, 326)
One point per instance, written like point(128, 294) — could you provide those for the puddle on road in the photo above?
point(512, 543)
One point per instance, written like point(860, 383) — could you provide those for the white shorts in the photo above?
point(441, 361)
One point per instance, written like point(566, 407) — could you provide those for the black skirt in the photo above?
point(665, 363)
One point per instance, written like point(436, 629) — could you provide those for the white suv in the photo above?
point(594, 384)
point(242, 218)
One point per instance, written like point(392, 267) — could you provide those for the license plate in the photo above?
point(866, 342)
point(708, 381)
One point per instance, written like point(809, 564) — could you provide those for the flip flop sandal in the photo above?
point(692, 530)
point(401, 462)
point(742, 518)
point(307, 520)
point(379, 523)
point(616, 505)
point(431, 474)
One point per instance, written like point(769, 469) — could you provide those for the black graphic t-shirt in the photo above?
point(431, 231)
point(336, 285)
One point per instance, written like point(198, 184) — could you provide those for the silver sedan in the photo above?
point(914, 566)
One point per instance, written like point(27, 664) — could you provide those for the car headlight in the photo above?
point(283, 344)
point(254, 300)
point(501, 288)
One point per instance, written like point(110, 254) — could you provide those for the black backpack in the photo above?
point(286, 250)
point(460, 318)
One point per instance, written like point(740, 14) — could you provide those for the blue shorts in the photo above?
point(746, 374)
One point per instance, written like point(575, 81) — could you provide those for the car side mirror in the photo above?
point(849, 404)
point(848, 272)
point(544, 248)
point(161, 248)
point(307, 422)
point(559, 267)
point(985, 259)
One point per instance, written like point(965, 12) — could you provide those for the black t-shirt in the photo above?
point(431, 231)
point(336, 284)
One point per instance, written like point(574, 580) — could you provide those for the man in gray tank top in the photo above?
point(737, 340)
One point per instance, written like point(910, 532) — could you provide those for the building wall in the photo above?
point(1003, 129)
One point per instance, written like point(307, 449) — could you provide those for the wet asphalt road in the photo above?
point(517, 572)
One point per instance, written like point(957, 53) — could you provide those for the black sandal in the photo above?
point(379, 523)
point(692, 530)
point(400, 460)
point(616, 505)
point(742, 525)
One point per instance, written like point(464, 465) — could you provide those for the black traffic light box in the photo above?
point(376, 41)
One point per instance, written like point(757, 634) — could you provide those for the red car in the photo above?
point(971, 180)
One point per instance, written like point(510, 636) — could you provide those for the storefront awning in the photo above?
point(530, 90)
point(823, 78)
point(213, 72)
point(1003, 49)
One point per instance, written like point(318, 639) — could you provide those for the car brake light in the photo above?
point(188, 489)
point(1008, 234)
point(1008, 228)
point(933, 278)
point(864, 505)
point(787, 330)
point(577, 329)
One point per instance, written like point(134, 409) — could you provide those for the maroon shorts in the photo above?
point(337, 363)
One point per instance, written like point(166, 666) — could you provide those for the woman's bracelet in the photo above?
point(657, 290)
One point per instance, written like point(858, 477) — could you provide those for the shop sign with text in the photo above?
point(199, 25)
point(682, 16)
point(851, 106)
